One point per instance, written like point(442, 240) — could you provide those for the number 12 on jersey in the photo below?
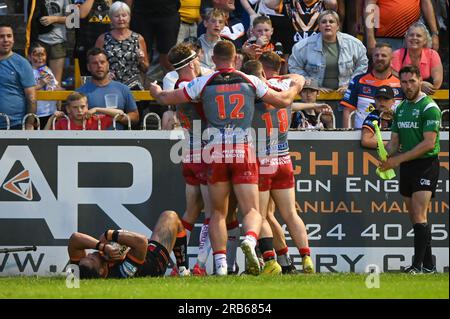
point(234, 99)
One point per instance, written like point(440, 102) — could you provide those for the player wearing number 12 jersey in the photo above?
point(228, 98)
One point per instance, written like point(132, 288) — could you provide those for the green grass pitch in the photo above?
point(314, 286)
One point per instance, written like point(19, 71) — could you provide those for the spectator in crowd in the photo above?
point(101, 91)
point(157, 20)
point(190, 17)
point(361, 91)
point(49, 23)
point(214, 23)
point(382, 113)
point(80, 117)
point(418, 53)
point(17, 90)
point(234, 29)
point(441, 9)
point(126, 50)
point(394, 18)
point(307, 112)
point(261, 41)
point(45, 80)
point(94, 21)
point(303, 14)
point(253, 8)
point(331, 57)
point(279, 20)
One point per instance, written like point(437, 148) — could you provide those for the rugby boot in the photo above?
point(308, 265)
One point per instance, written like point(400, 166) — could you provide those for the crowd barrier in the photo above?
point(145, 96)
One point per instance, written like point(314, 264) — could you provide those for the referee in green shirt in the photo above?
point(414, 146)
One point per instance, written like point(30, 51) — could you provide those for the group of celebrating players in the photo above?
point(225, 166)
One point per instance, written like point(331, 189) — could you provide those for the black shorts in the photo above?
point(156, 261)
point(419, 175)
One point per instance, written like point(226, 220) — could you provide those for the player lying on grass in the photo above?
point(142, 257)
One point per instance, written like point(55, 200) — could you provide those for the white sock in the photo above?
point(253, 241)
point(232, 245)
point(204, 246)
point(188, 232)
point(284, 260)
point(220, 260)
point(188, 235)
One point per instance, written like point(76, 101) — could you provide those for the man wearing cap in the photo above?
point(360, 94)
point(383, 113)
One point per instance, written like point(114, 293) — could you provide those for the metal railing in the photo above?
point(56, 118)
point(8, 123)
point(152, 114)
point(351, 122)
point(25, 118)
point(117, 116)
point(319, 116)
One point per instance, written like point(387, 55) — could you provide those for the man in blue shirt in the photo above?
point(101, 91)
point(17, 91)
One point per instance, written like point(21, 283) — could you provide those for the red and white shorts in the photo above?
point(235, 163)
point(275, 173)
point(194, 169)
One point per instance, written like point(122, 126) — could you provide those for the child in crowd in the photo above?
point(382, 112)
point(81, 117)
point(308, 117)
point(45, 80)
point(260, 41)
point(214, 23)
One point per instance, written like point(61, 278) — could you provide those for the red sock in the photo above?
point(232, 224)
point(283, 251)
point(304, 251)
point(253, 234)
point(187, 226)
point(268, 255)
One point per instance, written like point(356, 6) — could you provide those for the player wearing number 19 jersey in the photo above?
point(228, 98)
point(276, 175)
